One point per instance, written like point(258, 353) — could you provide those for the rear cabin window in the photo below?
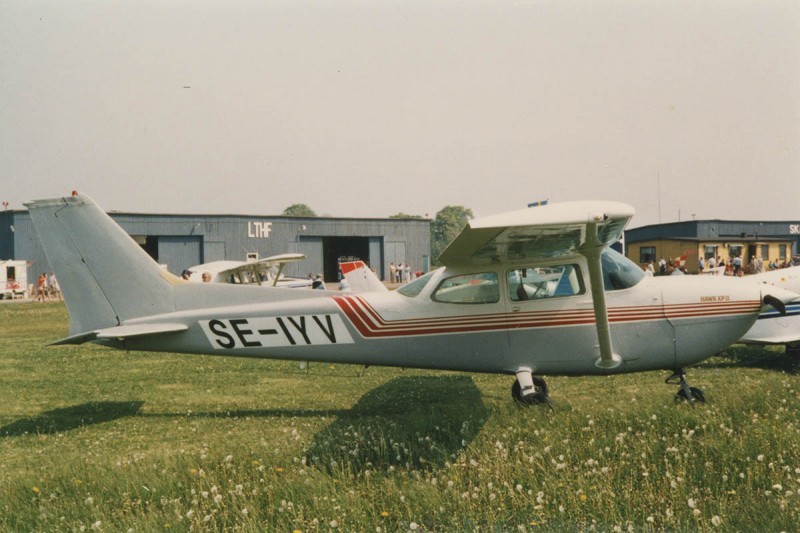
point(469, 289)
point(413, 288)
point(536, 283)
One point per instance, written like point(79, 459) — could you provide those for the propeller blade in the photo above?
point(778, 305)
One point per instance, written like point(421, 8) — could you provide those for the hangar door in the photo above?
point(395, 253)
point(324, 253)
point(337, 249)
point(179, 252)
point(311, 247)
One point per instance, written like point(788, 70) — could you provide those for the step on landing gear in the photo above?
point(687, 393)
point(528, 389)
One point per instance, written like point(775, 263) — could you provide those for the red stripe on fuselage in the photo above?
point(370, 323)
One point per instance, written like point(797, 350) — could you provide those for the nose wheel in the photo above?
point(685, 392)
point(537, 394)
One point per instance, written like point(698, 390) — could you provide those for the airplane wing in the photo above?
point(553, 230)
point(279, 259)
point(538, 232)
point(226, 270)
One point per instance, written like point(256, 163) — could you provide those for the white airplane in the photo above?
point(773, 327)
point(268, 271)
point(484, 311)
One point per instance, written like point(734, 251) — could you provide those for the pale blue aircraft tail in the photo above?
point(105, 276)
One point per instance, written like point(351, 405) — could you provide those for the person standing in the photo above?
point(737, 265)
point(55, 290)
point(392, 272)
point(41, 287)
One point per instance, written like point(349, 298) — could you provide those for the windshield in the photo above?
point(619, 272)
point(413, 288)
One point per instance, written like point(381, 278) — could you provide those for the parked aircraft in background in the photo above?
point(268, 271)
point(527, 293)
point(773, 327)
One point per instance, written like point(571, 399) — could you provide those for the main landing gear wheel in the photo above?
point(793, 351)
point(538, 397)
point(685, 392)
point(696, 394)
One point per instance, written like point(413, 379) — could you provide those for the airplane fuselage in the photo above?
point(654, 324)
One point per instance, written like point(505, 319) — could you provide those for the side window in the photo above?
point(469, 289)
point(536, 283)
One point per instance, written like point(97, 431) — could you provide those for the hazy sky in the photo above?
point(368, 108)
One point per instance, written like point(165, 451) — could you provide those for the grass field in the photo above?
point(95, 439)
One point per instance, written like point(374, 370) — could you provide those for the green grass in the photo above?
point(92, 438)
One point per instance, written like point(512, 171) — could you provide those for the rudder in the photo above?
point(105, 276)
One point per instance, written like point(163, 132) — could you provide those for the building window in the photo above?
point(710, 251)
point(765, 251)
point(782, 251)
point(735, 250)
point(647, 254)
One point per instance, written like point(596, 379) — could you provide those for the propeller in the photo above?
point(776, 303)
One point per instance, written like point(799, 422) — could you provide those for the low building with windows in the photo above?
point(726, 239)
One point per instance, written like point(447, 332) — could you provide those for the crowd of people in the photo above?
point(400, 273)
point(733, 267)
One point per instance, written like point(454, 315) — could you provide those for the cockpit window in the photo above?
point(619, 272)
point(469, 289)
point(413, 288)
point(535, 283)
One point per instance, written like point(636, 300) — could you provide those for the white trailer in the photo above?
point(13, 279)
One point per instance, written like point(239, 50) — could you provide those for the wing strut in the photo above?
point(593, 252)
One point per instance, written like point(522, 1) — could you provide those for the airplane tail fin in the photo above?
point(360, 278)
point(104, 275)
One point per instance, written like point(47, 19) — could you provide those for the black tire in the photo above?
point(697, 395)
point(532, 399)
point(793, 351)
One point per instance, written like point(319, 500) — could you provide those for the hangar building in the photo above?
point(723, 238)
point(181, 241)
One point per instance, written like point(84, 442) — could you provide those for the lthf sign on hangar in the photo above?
point(182, 241)
point(777, 241)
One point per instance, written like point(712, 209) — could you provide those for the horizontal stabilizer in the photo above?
point(123, 332)
point(138, 330)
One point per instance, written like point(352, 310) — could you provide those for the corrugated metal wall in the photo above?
point(195, 239)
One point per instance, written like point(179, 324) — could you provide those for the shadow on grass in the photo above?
point(67, 418)
point(409, 422)
point(747, 356)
